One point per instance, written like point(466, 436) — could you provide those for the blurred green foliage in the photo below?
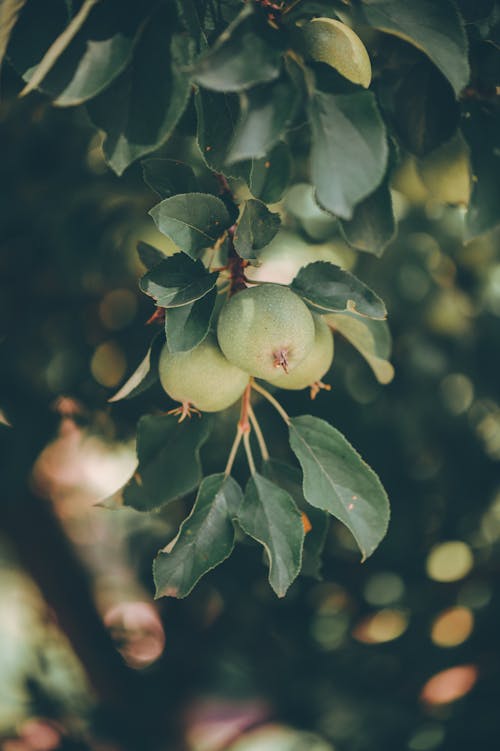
point(348, 657)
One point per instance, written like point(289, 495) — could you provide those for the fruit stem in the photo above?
point(157, 317)
point(242, 430)
point(258, 434)
point(316, 388)
point(277, 406)
point(245, 406)
point(248, 451)
point(234, 450)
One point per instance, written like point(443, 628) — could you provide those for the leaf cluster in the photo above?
point(234, 93)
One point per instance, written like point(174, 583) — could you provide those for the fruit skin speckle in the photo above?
point(260, 327)
point(201, 377)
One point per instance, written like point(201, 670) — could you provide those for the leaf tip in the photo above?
point(166, 592)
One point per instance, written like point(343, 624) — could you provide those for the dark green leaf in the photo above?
point(270, 516)
point(425, 110)
point(33, 34)
point(169, 460)
point(349, 149)
point(90, 60)
point(188, 325)
point(270, 176)
point(266, 111)
point(255, 229)
point(373, 225)
point(290, 479)
point(205, 539)
point(372, 339)
point(482, 131)
point(145, 375)
point(434, 27)
point(193, 21)
point(149, 255)
point(486, 56)
point(474, 10)
point(246, 53)
point(327, 288)
point(177, 280)
point(337, 480)
point(314, 543)
point(136, 114)
point(217, 114)
point(193, 221)
point(167, 177)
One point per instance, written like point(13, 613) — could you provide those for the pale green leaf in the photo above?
point(193, 221)
point(337, 480)
point(327, 288)
point(349, 149)
point(372, 339)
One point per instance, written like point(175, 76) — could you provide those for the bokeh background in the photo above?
point(401, 652)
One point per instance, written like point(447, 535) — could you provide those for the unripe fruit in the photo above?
point(332, 42)
point(201, 377)
point(446, 172)
point(265, 329)
point(316, 364)
point(281, 260)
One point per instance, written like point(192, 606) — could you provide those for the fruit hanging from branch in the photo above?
point(202, 377)
point(265, 330)
point(282, 100)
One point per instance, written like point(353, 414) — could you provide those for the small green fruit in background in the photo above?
point(316, 364)
point(281, 260)
point(301, 203)
point(332, 42)
point(201, 377)
point(446, 172)
point(265, 329)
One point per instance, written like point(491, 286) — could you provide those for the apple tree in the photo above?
point(255, 123)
